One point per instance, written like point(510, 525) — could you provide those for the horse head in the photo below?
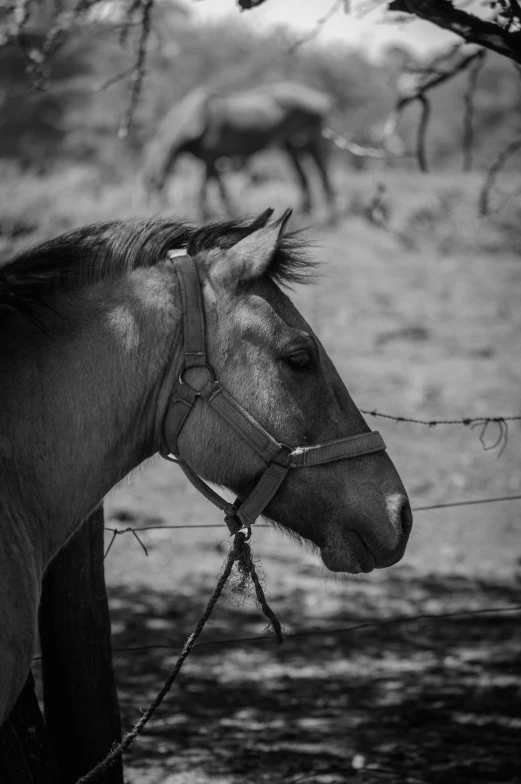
point(96, 353)
point(265, 355)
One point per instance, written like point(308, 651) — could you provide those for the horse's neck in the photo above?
point(81, 414)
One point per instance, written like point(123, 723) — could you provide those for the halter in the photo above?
point(279, 458)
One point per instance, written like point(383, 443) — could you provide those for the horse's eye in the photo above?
point(301, 360)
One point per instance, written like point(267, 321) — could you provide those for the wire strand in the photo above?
point(473, 502)
point(397, 620)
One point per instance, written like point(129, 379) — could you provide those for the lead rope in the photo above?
point(240, 553)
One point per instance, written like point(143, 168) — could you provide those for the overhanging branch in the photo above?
point(429, 77)
point(471, 28)
point(245, 5)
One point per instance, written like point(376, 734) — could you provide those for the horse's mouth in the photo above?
point(358, 558)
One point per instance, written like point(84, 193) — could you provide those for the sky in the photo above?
point(362, 27)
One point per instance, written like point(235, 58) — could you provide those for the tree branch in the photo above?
point(139, 67)
point(429, 77)
point(468, 120)
point(497, 165)
point(422, 131)
point(471, 28)
point(245, 5)
point(320, 23)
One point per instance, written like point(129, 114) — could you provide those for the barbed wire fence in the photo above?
point(248, 570)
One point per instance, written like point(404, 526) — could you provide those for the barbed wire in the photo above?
point(241, 553)
point(394, 621)
point(433, 422)
point(135, 530)
point(500, 443)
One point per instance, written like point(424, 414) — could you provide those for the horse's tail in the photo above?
point(185, 122)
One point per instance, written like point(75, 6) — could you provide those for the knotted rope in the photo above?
point(240, 552)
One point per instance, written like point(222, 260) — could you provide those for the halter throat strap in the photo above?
point(278, 457)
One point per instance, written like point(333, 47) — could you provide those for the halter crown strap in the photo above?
point(193, 313)
point(279, 458)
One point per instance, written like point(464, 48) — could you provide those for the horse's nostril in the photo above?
point(406, 518)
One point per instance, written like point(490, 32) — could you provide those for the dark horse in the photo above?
point(94, 331)
point(212, 125)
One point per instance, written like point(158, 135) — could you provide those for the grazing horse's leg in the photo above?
point(301, 174)
point(216, 174)
point(315, 148)
point(203, 194)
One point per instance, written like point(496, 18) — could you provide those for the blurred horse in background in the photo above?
point(212, 126)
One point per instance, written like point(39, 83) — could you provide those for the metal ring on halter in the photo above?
point(195, 367)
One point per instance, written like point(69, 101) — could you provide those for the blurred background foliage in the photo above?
point(75, 120)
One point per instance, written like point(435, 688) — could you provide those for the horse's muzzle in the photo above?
point(363, 546)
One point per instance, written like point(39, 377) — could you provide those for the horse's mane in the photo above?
point(105, 251)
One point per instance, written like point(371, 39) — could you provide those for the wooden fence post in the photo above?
point(80, 700)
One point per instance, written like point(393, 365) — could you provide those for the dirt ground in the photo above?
point(422, 319)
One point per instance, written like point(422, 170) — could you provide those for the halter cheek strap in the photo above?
point(278, 458)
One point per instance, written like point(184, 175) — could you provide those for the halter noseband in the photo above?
point(279, 458)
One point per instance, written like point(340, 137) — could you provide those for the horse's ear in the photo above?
point(250, 258)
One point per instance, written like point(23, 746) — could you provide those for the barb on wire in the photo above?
point(468, 119)
point(240, 552)
point(493, 172)
point(433, 422)
point(117, 532)
point(473, 422)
